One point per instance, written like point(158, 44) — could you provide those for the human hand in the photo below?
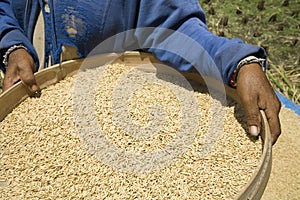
point(20, 67)
point(256, 93)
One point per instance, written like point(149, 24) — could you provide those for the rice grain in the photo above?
point(43, 156)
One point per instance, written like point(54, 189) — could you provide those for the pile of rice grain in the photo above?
point(43, 157)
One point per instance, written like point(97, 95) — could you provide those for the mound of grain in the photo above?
point(44, 156)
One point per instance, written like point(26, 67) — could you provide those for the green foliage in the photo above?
point(274, 25)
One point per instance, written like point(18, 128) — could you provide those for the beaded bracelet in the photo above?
point(245, 61)
point(9, 51)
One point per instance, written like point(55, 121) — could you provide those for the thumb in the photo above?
point(28, 79)
point(249, 101)
point(253, 118)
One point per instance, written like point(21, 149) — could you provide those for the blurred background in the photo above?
point(272, 24)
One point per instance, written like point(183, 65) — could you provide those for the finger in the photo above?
point(253, 116)
point(7, 83)
point(10, 78)
point(253, 120)
point(272, 114)
point(27, 77)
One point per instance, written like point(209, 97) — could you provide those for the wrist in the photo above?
point(246, 61)
point(251, 74)
point(10, 51)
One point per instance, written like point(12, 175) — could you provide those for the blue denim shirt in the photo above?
point(178, 37)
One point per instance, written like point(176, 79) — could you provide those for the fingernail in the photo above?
point(34, 87)
point(254, 130)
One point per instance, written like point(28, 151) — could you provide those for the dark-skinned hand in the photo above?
point(256, 93)
point(20, 67)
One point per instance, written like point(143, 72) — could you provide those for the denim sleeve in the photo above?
point(192, 44)
point(11, 33)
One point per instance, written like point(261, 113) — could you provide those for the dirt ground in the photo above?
point(284, 182)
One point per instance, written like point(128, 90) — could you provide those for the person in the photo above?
point(84, 24)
